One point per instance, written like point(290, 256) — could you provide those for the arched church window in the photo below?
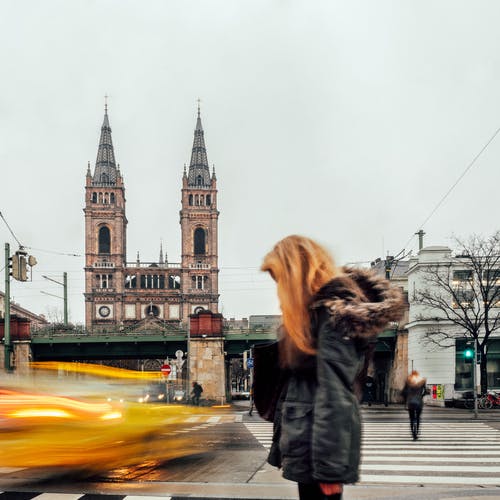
point(209, 200)
point(190, 199)
point(112, 197)
point(106, 198)
point(152, 311)
point(104, 240)
point(199, 180)
point(100, 197)
point(202, 199)
point(199, 241)
point(94, 197)
point(196, 200)
point(104, 179)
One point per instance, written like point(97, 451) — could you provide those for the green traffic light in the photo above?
point(468, 353)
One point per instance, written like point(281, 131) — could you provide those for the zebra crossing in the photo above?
point(457, 453)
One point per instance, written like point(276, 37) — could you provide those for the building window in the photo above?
point(104, 178)
point(104, 240)
point(94, 197)
point(152, 311)
point(152, 281)
point(104, 280)
point(112, 197)
point(199, 180)
point(199, 241)
point(190, 199)
point(174, 282)
point(209, 200)
point(131, 281)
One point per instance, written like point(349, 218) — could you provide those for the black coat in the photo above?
point(317, 426)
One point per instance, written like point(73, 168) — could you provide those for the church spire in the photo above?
point(199, 172)
point(161, 253)
point(105, 165)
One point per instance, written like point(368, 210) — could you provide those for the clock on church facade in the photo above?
point(120, 293)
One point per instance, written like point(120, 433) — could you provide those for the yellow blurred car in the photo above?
point(88, 432)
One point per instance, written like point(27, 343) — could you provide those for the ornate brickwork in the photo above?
point(118, 293)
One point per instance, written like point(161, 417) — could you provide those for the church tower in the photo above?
point(105, 235)
point(199, 222)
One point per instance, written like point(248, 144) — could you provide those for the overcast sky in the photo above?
point(343, 121)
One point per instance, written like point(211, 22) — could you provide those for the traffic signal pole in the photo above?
point(474, 375)
point(6, 341)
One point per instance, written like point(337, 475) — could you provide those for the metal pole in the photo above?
point(7, 346)
point(474, 383)
point(65, 285)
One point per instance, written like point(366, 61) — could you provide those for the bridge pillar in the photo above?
point(207, 365)
point(20, 356)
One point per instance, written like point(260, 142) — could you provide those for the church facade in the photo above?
point(121, 294)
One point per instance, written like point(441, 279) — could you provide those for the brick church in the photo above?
point(121, 294)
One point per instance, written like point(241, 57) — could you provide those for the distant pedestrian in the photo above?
point(330, 315)
point(251, 401)
point(369, 389)
point(196, 393)
point(414, 392)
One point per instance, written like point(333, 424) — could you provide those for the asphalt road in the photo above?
point(454, 451)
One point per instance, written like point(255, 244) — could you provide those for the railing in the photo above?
point(103, 290)
point(104, 264)
point(153, 265)
point(199, 266)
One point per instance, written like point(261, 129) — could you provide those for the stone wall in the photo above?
point(207, 367)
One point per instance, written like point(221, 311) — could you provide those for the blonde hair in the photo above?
point(300, 267)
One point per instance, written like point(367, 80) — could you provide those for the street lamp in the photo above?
point(64, 284)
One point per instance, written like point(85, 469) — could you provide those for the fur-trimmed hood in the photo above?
point(360, 301)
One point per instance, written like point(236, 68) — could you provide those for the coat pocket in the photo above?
point(296, 429)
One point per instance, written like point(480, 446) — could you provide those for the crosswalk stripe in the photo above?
point(58, 496)
point(454, 480)
point(455, 453)
point(213, 420)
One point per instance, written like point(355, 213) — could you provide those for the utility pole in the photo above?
point(64, 284)
point(7, 345)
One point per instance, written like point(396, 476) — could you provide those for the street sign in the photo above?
point(250, 363)
point(166, 369)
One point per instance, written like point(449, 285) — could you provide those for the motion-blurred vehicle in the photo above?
point(83, 428)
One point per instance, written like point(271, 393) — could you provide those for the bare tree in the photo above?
point(465, 292)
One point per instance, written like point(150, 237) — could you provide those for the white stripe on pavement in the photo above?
point(439, 460)
point(59, 496)
point(434, 468)
point(454, 480)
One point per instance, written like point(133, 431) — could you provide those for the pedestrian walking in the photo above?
point(196, 393)
point(250, 411)
point(330, 315)
point(414, 392)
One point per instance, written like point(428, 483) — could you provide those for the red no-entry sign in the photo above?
point(166, 369)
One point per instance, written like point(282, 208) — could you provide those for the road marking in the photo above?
point(213, 420)
point(442, 450)
point(58, 496)
point(454, 480)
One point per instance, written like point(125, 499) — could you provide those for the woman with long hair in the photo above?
point(330, 316)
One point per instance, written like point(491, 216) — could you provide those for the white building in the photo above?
point(436, 344)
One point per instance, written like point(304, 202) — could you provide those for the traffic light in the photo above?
point(468, 354)
point(19, 266)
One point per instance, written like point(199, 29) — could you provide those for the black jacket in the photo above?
point(317, 426)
